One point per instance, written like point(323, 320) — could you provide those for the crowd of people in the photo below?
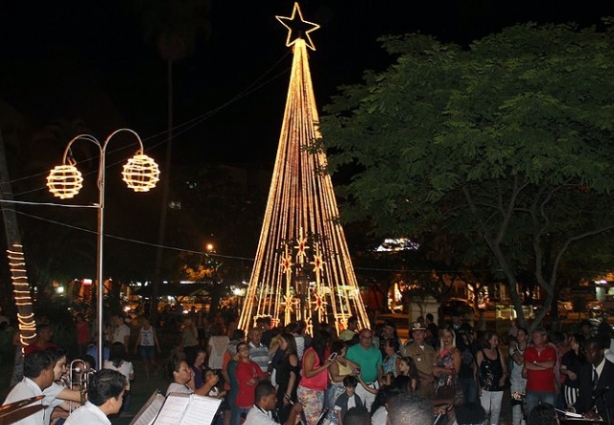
point(286, 375)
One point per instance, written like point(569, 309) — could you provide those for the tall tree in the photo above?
point(173, 27)
point(505, 145)
point(14, 249)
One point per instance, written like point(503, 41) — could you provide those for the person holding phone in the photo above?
point(339, 369)
point(314, 379)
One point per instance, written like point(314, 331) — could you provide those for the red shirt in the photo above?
point(317, 382)
point(246, 394)
point(35, 347)
point(543, 379)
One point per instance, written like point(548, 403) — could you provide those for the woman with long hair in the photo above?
point(314, 380)
point(408, 368)
point(198, 369)
point(492, 373)
point(287, 375)
point(118, 360)
point(571, 363)
point(448, 360)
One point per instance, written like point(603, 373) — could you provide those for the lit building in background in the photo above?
point(302, 269)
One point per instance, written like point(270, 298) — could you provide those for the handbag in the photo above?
point(449, 388)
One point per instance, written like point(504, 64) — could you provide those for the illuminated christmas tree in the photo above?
point(302, 270)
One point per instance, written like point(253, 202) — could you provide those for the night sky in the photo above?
point(87, 59)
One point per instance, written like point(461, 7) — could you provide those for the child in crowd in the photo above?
point(348, 399)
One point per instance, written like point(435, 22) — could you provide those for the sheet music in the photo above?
point(201, 410)
point(173, 409)
point(149, 411)
point(569, 414)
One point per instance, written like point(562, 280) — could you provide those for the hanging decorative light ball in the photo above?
point(141, 173)
point(65, 181)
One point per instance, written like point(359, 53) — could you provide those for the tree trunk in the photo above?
point(17, 264)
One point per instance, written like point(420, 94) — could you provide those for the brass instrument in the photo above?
point(79, 374)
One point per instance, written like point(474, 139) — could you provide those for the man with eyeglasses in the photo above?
point(249, 374)
point(369, 358)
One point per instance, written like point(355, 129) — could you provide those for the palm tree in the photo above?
point(17, 264)
point(173, 27)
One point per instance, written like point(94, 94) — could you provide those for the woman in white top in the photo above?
point(180, 373)
point(146, 343)
point(216, 347)
point(117, 361)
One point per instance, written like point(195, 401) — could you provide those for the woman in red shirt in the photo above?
point(314, 379)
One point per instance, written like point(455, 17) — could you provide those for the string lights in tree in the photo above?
point(21, 291)
point(302, 269)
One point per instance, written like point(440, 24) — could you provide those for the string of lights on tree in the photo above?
point(302, 269)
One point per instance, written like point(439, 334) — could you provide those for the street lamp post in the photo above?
point(140, 173)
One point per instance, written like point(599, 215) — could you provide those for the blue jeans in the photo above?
point(235, 414)
point(534, 398)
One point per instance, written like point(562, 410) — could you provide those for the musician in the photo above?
point(105, 396)
point(596, 382)
point(57, 395)
point(38, 375)
point(410, 408)
point(263, 412)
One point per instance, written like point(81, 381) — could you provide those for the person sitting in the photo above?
point(179, 371)
point(58, 397)
point(263, 412)
point(470, 414)
point(410, 408)
point(38, 376)
point(543, 414)
point(357, 416)
point(105, 394)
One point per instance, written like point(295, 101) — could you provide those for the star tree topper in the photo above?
point(298, 27)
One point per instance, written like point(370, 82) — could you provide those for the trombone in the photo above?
point(78, 379)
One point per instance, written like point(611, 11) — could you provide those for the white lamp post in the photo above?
point(140, 173)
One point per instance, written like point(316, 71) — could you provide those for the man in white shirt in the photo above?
point(57, 395)
point(38, 375)
point(105, 396)
point(121, 332)
point(263, 411)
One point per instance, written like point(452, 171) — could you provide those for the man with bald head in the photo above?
point(369, 358)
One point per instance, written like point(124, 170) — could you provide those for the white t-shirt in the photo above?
point(174, 387)
point(147, 337)
point(26, 389)
point(122, 331)
point(257, 417)
point(380, 416)
point(125, 368)
point(218, 346)
point(88, 414)
point(51, 393)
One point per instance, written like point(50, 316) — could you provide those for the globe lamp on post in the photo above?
point(141, 173)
